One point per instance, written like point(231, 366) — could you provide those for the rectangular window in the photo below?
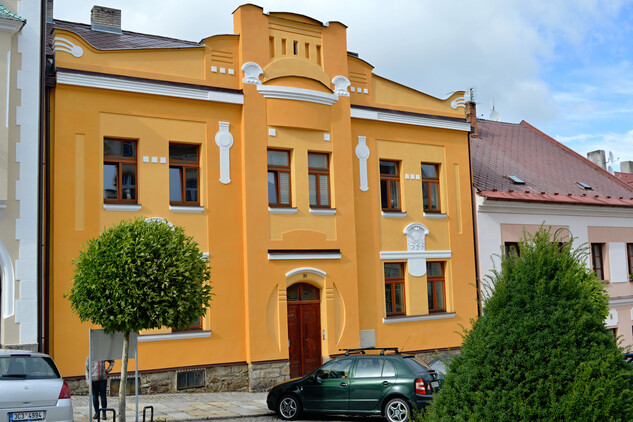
point(394, 288)
point(390, 185)
point(629, 254)
point(512, 248)
point(278, 178)
point(597, 261)
point(430, 187)
point(184, 171)
point(319, 178)
point(435, 286)
point(119, 171)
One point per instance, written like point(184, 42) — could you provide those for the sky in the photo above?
point(564, 66)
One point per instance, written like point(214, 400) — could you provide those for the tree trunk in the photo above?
point(123, 384)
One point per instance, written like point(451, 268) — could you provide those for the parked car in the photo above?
point(31, 388)
point(387, 384)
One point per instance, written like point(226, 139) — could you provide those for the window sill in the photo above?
point(174, 336)
point(322, 211)
point(413, 318)
point(394, 214)
point(273, 210)
point(187, 209)
point(122, 207)
point(434, 215)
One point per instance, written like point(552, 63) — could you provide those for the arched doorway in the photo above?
point(304, 328)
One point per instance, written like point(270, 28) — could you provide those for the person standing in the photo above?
point(98, 375)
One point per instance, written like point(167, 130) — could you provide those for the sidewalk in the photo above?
point(183, 406)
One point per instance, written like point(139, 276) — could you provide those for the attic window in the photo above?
point(516, 180)
point(584, 186)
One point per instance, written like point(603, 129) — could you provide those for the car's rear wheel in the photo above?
point(289, 408)
point(397, 410)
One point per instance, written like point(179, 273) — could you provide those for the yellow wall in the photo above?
point(248, 318)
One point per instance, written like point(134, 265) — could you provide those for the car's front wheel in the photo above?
point(397, 410)
point(289, 408)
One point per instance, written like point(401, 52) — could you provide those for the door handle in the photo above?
point(343, 384)
point(385, 383)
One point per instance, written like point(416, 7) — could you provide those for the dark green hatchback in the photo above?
point(386, 383)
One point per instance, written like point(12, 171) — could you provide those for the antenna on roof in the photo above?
point(494, 115)
point(611, 160)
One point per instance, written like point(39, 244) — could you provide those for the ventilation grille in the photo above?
point(190, 379)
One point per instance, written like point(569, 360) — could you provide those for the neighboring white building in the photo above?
point(20, 78)
point(524, 179)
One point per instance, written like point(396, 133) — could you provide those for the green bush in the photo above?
point(540, 351)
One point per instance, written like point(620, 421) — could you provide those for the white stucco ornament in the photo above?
point(67, 46)
point(224, 140)
point(362, 152)
point(416, 236)
point(341, 83)
point(251, 73)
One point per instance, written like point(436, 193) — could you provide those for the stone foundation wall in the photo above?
point(263, 376)
point(216, 379)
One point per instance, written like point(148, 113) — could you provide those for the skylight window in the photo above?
point(584, 186)
point(516, 180)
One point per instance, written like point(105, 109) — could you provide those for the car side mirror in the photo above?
point(316, 378)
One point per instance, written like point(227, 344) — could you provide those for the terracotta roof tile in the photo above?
point(625, 177)
point(550, 170)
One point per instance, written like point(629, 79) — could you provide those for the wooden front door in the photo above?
point(304, 329)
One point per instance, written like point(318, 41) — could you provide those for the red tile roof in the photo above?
point(625, 177)
point(550, 170)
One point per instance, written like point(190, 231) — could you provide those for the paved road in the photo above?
point(314, 418)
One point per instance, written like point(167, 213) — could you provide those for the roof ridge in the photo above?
point(574, 153)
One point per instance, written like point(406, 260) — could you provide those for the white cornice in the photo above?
point(147, 87)
point(299, 94)
point(538, 208)
point(385, 116)
point(414, 254)
point(10, 25)
point(122, 207)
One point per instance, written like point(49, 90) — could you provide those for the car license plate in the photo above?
point(27, 416)
point(435, 384)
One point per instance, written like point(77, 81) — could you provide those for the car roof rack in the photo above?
point(362, 350)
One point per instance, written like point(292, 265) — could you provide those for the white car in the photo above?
point(31, 388)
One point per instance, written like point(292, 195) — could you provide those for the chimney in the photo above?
point(471, 117)
point(598, 157)
point(105, 19)
point(49, 11)
point(626, 167)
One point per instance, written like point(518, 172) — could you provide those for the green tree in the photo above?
point(140, 275)
point(540, 351)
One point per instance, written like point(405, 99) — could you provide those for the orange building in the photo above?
point(359, 235)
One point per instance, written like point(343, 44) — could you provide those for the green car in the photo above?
point(387, 384)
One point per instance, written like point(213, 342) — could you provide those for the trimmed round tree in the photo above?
point(540, 351)
point(138, 275)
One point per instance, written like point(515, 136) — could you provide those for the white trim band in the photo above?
point(322, 211)
point(282, 256)
point(385, 116)
point(413, 318)
point(299, 94)
point(274, 210)
point(414, 254)
point(191, 210)
point(394, 214)
point(122, 207)
point(436, 216)
point(174, 336)
point(147, 87)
